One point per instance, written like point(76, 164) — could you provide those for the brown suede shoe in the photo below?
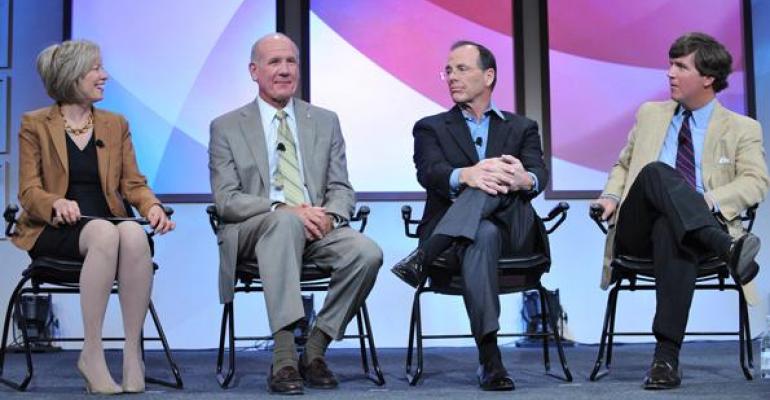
point(286, 381)
point(317, 374)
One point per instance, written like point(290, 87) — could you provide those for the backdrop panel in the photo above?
point(174, 66)
point(605, 59)
point(377, 62)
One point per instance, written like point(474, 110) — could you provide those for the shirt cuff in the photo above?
point(454, 182)
point(337, 221)
point(275, 205)
point(610, 196)
point(715, 207)
point(535, 183)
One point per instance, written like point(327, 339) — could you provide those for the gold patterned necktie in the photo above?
point(288, 175)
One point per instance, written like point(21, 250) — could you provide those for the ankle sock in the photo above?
point(317, 343)
point(284, 351)
point(434, 246)
point(667, 351)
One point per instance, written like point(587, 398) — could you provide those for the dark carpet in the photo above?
point(711, 371)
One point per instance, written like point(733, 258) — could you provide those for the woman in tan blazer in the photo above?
point(77, 165)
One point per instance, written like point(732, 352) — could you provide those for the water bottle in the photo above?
point(765, 354)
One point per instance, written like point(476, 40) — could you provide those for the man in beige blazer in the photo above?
point(686, 161)
point(280, 184)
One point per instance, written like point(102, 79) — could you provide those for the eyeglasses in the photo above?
point(461, 70)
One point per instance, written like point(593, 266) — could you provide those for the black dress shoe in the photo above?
point(662, 375)
point(494, 379)
point(740, 260)
point(409, 269)
point(317, 374)
point(286, 381)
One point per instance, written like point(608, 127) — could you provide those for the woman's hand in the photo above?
point(159, 222)
point(65, 211)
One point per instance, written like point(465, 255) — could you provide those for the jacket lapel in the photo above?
point(307, 139)
point(459, 131)
point(55, 128)
point(717, 127)
point(254, 136)
point(498, 131)
point(102, 133)
point(659, 129)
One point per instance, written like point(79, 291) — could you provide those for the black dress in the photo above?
point(85, 189)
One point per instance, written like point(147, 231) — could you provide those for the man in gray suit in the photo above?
point(280, 184)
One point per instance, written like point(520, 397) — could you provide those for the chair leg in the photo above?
point(611, 332)
point(178, 384)
point(15, 301)
point(228, 326)
point(608, 312)
point(556, 336)
point(415, 340)
point(744, 337)
point(543, 317)
point(375, 374)
point(362, 343)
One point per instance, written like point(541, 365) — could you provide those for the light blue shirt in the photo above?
point(480, 130)
point(270, 128)
point(698, 126)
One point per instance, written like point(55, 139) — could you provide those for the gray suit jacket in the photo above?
point(238, 169)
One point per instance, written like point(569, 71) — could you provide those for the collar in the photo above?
point(268, 111)
point(492, 108)
point(701, 116)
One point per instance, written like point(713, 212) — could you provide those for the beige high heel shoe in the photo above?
point(108, 389)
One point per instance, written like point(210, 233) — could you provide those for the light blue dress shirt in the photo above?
point(480, 130)
point(699, 123)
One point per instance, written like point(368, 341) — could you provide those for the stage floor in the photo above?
point(711, 371)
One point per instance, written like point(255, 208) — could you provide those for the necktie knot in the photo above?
point(686, 114)
point(281, 115)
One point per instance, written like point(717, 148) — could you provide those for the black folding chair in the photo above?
point(312, 279)
point(516, 274)
point(49, 275)
point(640, 275)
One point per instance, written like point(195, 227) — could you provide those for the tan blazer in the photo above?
point(733, 166)
point(44, 169)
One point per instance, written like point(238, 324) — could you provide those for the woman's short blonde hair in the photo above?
point(61, 66)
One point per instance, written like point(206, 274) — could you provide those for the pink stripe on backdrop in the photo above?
point(496, 14)
point(640, 32)
point(411, 38)
point(593, 105)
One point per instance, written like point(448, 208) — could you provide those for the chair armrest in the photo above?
point(595, 211)
point(10, 219)
point(214, 220)
point(406, 216)
point(168, 210)
point(362, 216)
point(749, 216)
point(560, 211)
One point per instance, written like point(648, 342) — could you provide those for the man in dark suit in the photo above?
point(480, 167)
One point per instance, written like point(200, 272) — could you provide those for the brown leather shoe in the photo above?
point(286, 381)
point(317, 374)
